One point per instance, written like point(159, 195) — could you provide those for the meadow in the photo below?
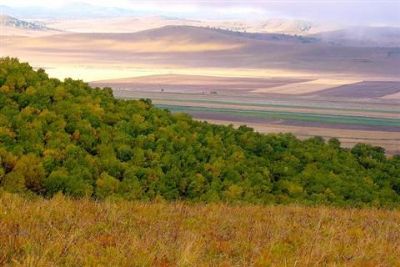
point(66, 232)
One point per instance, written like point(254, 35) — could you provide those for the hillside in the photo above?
point(346, 35)
point(68, 137)
point(363, 37)
point(188, 48)
point(128, 24)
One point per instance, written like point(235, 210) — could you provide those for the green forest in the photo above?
point(64, 136)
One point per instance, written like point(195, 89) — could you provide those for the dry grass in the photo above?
point(86, 233)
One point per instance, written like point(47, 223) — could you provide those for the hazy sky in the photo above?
point(351, 12)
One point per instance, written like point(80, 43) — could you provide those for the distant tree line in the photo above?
point(64, 136)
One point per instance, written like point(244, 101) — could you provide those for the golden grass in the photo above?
point(68, 232)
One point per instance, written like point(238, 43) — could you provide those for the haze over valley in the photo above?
point(220, 69)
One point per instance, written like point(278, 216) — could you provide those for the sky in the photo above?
point(357, 12)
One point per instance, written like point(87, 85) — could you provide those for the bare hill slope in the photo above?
point(199, 47)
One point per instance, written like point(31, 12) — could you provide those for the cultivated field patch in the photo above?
point(305, 87)
point(365, 89)
point(196, 84)
point(395, 96)
point(390, 124)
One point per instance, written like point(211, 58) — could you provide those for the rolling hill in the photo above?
point(69, 137)
point(200, 47)
point(363, 36)
point(346, 35)
point(13, 26)
point(127, 24)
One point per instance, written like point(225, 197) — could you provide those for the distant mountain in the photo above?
point(138, 23)
point(288, 26)
point(78, 10)
point(208, 34)
point(269, 36)
point(196, 47)
point(8, 21)
point(11, 26)
point(87, 18)
point(309, 32)
point(363, 36)
point(284, 26)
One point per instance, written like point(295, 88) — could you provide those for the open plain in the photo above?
point(270, 81)
point(280, 106)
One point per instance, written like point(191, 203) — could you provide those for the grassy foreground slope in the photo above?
point(68, 137)
point(66, 232)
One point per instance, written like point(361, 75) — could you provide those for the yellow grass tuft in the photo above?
point(69, 232)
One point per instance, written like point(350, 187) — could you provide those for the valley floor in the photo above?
point(352, 121)
point(69, 232)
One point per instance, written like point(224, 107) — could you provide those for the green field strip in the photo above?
point(271, 105)
point(296, 116)
point(278, 105)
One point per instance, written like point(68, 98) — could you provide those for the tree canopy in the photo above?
point(64, 136)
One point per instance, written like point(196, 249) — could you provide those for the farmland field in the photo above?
point(364, 89)
point(356, 121)
point(373, 119)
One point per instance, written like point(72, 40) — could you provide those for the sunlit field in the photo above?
point(65, 232)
